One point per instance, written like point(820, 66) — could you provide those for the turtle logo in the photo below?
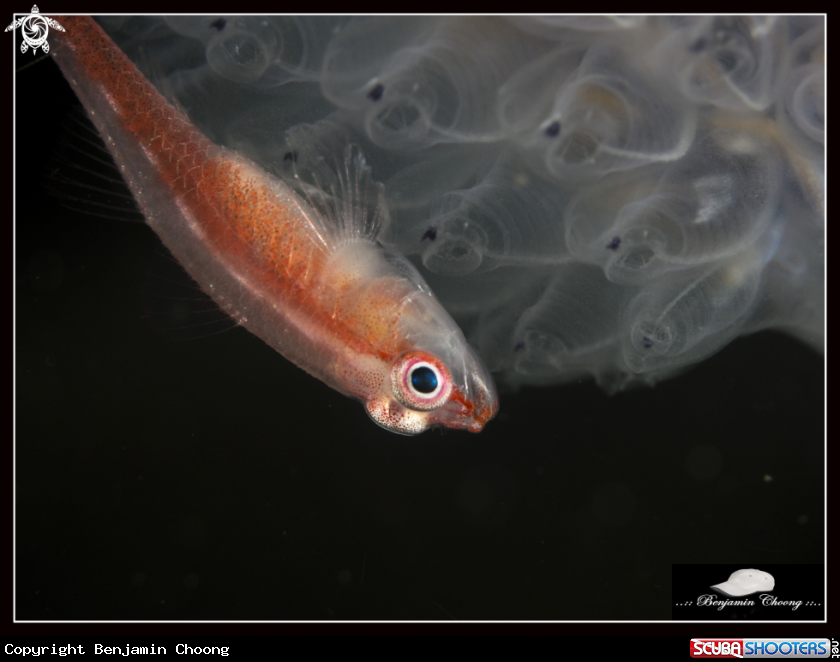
point(35, 29)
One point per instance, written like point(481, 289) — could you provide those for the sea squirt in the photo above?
point(611, 197)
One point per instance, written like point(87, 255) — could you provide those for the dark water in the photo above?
point(212, 479)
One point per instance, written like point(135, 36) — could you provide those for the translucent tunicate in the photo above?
point(732, 62)
point(419, 81)
point(675, 324)
point(271, 51)
point(508, 217)
point(609, 196)
point(801, 111)
point(710, 204)
point(585, 112)
point(570, 326)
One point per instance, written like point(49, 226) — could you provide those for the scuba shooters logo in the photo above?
point(717, 648)
point(760, 648)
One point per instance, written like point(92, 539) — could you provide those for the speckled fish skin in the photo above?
point(330, 300)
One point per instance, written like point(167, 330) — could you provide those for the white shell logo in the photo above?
point(35, 29)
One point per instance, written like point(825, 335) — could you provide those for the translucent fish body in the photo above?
point(312, 284)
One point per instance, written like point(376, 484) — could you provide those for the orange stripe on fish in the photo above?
point(308, 279)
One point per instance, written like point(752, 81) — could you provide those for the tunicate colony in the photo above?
point(617, 197)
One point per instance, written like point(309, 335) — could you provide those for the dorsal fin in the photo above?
point(333, 177)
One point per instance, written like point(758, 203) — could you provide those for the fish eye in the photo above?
point(420, 381)
point(423, 379)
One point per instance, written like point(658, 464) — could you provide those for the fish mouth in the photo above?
point(482, 395)
point(473, 403)
point(461, 413)
point(485, 412)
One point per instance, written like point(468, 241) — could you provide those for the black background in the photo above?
point(211, 479)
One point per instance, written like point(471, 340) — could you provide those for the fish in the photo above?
point(300, 268)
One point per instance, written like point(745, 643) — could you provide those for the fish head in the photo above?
point(424, 391)
point(434, 378)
